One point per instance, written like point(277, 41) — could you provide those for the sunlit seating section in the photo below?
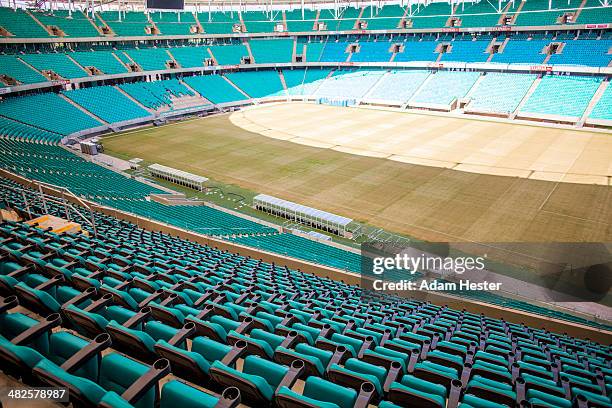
point(417, 51)
point(593, 12)
point(564, 96)
point(20, 24)
point(107, 103)
point(75, 25)
point(522, 52)
point(150, 59)
point(334, 52)
point(47, 111)
point(271, 51)
point(592, 53)
point(158, 93)
point(304, 81)
point(298, 22)
point(383, 18)
point(11, 66)
point(500, 92)
point(190, 57)
point(434, 15)
point(603, 108)
point(58, 63)
point(537, 12)
point(444, 87)
point(398, 86)
point(257, 84)
point(104, 61)
point(467, 51)
point(229, 54)
point(314, 51)
point(372, 51)
point(215, 88)
point(348, 84)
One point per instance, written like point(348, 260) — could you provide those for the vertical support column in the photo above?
point(42, 197)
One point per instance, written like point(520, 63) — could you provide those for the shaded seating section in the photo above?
point(76, 25)
point(500, 92)
point(298, 21)
point(398, 86)
point(129, 24)
point(215, 22)
point(107, 103)
point(150, 59)
point(348, 84)
point(156, 94)
point(593, 12)
point(383, 18)
point(229, 54)
point(537, 12)
point(12, 66)
point(20, 24)
point(176, 28)
point(434, 15)
point(47, 111)
point(270, 51)
point(189, 57)
point(58, 63)
point(260, 22)
point(257, 84)
point(445, 87)
point(346, 20)
point(481, 14)
point(215, 88)
point(105, 61)
point(304, 81)
point(564, 96)
point(117, 312)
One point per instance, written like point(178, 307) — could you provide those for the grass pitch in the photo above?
point(430, 203)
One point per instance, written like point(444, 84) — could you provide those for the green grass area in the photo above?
point(426, 203)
